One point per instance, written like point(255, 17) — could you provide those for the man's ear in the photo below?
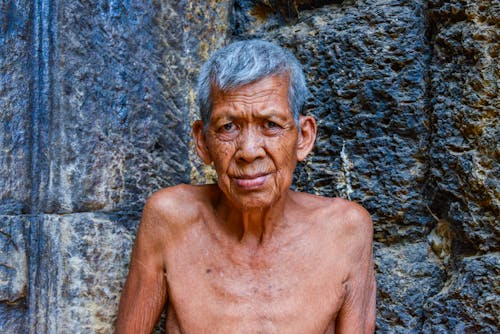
point(307, 136)
point(200, 142)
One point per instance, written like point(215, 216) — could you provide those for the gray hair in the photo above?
point(245, 62)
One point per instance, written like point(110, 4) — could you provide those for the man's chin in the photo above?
point(251, 200)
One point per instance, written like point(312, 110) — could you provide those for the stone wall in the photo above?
point(96, 99)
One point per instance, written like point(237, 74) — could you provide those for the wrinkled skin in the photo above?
point(248, 255)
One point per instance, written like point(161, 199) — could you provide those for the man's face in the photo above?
point(252, 140)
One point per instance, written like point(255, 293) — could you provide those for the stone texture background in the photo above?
point(96, 99)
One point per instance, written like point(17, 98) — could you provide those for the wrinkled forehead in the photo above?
point(271, 89)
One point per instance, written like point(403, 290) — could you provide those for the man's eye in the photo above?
point(228, 127)
point(271, 125)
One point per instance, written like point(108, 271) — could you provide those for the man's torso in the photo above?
point(291, 284)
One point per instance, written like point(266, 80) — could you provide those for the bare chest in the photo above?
point(292, 290)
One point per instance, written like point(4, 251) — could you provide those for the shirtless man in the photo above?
point(249, 255)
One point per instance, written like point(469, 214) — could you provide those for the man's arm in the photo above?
point(145, 290)
point(357, 314)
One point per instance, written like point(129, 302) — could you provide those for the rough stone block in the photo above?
point(13, 273)
point(13, 258)
point(15, 114)
point(465, 187)
point(468, 303)
point(117, 105)
point(80, 264)
point(407, 276)
point(13, 318)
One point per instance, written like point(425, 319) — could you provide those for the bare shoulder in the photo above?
point(171, 199)
point(354, 229)
point(176, 206)
point(352, 215)
point(348, 218)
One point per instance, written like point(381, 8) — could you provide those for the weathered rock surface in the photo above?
point(407, 276)
point(468, 303)
point(464, 189)
point(465, 149)
point(80, 264)
point(15, 116)
point(120, 81)
point(13, 261)
point(13, 273)
point(13, 318)
point(96, 98)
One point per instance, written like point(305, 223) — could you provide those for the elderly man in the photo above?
point(249, 255)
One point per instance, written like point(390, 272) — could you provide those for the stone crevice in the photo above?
point(41, 101)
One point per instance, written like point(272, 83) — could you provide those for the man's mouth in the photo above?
point(251, 181)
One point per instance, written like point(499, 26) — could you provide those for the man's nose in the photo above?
point(250, 145)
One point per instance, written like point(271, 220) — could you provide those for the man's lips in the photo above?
point(251, 181)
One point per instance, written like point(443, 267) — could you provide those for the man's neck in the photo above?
point(253, 227)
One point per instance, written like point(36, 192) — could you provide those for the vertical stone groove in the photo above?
point(42, 100)
point(41, 271)
point(44, 263)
